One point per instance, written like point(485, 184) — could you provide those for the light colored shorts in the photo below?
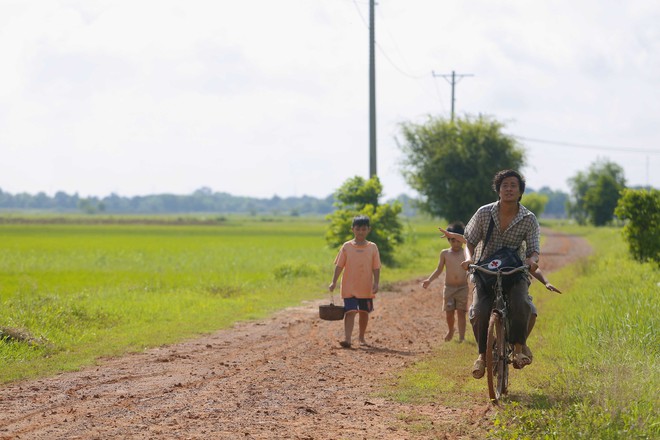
point(455, 298)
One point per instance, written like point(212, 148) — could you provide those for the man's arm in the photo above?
point(469, 251)
point(533, 242)
point(533, 262)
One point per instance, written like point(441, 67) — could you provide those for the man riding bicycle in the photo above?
point(503, 224)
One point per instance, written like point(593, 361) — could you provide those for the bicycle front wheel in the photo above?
point(497, 368)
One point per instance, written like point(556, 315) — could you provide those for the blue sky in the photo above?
point(266, 98)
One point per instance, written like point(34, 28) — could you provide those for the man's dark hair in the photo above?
point(501, 175)
point(457, 227)
point(361, 220)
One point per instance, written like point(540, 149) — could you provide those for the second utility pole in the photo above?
point(453, 86)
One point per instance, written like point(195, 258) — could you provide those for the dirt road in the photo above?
point(281, 378)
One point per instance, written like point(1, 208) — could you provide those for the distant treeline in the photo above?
point(204, 200)
point(201, 201)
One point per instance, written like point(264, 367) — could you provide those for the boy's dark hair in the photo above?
point(457, 227)
point(361, 220)
point(501, 175)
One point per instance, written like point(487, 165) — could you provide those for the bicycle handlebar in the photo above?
point(500, 271)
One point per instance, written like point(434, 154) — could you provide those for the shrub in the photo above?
point(641, 210)
point(359, 196)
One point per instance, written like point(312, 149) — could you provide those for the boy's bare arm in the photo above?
point(455, 235)
point(538, 274)
point(374, 289)
point(335, 277)
point(436, 273)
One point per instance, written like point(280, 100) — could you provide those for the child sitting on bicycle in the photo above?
point(455, 292)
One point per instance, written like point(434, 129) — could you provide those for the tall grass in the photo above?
point(71, 292)
point(596, 370)
point(602, 347)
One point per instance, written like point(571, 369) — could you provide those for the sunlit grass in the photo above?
point(596, 370)
point(77, 291)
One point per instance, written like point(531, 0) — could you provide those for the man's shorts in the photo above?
point(455, 298)
point(529, 301)
point(531, 305)
point(359, 304)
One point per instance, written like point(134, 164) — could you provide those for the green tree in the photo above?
point(452, 164)
point(535, 202)
point(556, 206)
point(359, 196)
point(641, 211)
point(595, 193)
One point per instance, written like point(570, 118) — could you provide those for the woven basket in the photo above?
point(331, 312)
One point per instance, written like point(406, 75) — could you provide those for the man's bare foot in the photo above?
point(461, 339)
point(364, 343)
point(345, 344)
point(479, 367)
point(449, 335)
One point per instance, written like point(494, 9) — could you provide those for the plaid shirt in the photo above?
point(523, 234)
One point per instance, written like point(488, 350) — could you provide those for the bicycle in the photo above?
point(499, 351)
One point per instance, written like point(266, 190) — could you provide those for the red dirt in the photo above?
point(282, 378)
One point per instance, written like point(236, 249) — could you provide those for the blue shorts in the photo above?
point(359, 304)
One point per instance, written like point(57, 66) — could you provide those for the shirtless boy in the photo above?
point(455, 293)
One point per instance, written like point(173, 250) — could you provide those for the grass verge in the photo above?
point(596, 371)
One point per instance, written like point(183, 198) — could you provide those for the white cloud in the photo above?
point(262, 98)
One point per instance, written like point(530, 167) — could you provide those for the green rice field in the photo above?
point(72, 291)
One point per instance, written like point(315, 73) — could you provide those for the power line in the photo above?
point(591, 147)
point(382, 51)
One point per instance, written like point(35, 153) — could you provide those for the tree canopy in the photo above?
point(451, 164)
point(595, 193)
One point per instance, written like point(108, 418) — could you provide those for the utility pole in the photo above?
point(453, 86)
point(372, 93)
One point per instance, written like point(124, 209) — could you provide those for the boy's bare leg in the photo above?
point(364, 320)
point(450, 325)
point(349, 323)
point(461, 325)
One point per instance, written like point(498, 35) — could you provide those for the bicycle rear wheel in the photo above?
point(497, 368)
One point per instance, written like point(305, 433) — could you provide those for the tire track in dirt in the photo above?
point(281, 378)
